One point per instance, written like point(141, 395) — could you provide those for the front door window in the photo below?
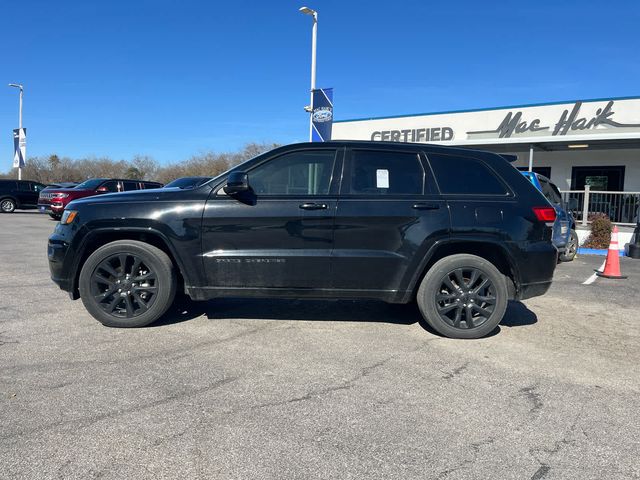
point(298, 173)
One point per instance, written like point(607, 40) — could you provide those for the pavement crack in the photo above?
point(455, 372)
point(541, 472)
point(557, 446)
point(531, 394)
point(91, 420)
point(475, 448)
point(4, 340)
point(347, 384)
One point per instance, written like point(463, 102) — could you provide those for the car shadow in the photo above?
point(518, 315)
point(372, 311)
point(283, 309)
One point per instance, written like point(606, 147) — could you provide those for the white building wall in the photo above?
point(562, 161)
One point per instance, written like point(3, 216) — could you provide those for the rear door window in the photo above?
point(24, 186)
point(460, 175)
point(130, 185)
point(110, 186)
point(377, 172)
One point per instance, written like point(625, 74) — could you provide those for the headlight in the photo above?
point(68, 217)
point(60, 195)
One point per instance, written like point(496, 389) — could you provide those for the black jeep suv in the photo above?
point(19, 194)
point(459, 231)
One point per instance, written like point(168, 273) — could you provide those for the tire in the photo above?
point(571, 248)
point(55, 217)
point(446, 308)
point(147, 290)
point(7, 205)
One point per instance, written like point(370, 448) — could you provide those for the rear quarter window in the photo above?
point(460, 175)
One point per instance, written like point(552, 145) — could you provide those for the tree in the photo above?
point(133, 173)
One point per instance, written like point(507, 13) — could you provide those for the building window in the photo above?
point(609, 179)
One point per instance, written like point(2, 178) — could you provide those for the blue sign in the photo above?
point(322, 115)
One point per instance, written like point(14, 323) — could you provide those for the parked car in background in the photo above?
point(22, 194)
point(565, 237)
point(458, 231)
point(53, 200)
point(187, 182)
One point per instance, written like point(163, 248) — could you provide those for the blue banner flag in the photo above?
point(322, 115)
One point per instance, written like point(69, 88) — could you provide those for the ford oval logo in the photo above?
point(322, 115)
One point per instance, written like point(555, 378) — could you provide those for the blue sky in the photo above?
point(172, 78)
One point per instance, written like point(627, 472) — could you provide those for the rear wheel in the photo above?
point(571, 248)
point(127, 284)
point(463, 296)
point(7, 205)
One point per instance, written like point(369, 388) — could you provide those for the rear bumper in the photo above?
point(530, 290)
point(537, 264)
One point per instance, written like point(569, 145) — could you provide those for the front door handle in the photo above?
point(425, 206)
point(313, 206)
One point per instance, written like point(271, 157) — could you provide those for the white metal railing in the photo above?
point(621, 207)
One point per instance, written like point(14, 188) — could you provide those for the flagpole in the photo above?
point(17, 85)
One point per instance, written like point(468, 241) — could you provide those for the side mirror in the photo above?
point(237, 182)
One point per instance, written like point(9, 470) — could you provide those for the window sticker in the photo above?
point(382, 178)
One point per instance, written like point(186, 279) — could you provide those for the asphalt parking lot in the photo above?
point(239, 389)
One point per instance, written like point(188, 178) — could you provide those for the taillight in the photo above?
point(545, 214)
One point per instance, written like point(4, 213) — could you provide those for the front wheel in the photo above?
point(7, 205)
point(463, 296)
point(571, 249)
point(55, 216)
point(127, 284)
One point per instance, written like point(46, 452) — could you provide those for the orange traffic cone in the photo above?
point(612, 265)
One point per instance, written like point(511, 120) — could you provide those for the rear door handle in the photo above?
point(313, 206)
point(425, 206)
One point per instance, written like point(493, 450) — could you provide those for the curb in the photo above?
point(595, 251)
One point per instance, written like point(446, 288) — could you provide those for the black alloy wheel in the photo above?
point(127, 283)
point(463, 296)
point(124, 285)
point(466, 298)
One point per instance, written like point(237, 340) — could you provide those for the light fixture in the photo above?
point(307, 11)
point(578, 145)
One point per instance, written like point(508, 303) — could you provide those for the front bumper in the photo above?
point(54, 208)
point(57, 253)
point(63, 257)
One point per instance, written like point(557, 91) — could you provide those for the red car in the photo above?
point(53, 200)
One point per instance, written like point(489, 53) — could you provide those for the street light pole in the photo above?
point(16, 85)
point(314, 36)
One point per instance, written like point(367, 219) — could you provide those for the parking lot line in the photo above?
point(593, 277)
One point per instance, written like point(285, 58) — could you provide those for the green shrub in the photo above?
point(600, 236)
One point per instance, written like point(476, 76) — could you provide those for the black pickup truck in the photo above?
point(459, 231)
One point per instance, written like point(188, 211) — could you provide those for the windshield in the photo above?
point(187, 182)
point(90, 184)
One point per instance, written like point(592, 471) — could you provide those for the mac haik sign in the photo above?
point(574, 121)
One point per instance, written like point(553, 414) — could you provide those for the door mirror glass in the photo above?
point(237, 182)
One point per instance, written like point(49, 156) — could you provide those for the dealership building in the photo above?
point(574, 143)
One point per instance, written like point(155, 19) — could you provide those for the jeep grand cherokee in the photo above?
point(458, 231)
